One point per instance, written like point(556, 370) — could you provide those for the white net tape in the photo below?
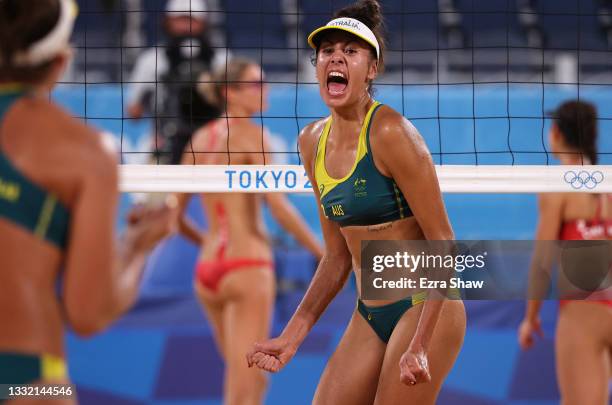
point(293, 179)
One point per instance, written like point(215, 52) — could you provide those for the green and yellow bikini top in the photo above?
point(23, 202)
point(364, 196)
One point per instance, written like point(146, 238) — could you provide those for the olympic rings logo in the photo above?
point(584, 179)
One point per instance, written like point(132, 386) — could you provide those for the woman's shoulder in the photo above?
point(389, 128)
point(57, 151)
point(388, 121)
point(309, 135)
point(46, 119)
point(552, 202)
point(45, 113)
point(69, 138)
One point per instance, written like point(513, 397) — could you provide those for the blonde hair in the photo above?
point(213, 86)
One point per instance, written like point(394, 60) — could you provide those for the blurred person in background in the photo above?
point(163, 81)
point(61, 264)
point(235, 279)
point(584, 331)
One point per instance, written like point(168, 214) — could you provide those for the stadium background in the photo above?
point(475, 77)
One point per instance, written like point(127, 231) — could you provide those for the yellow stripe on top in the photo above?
point(324, 180)
point(53, 368)
point(46, 213)
point(419, 298)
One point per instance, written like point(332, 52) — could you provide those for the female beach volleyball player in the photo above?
point(58, 196)
point(235, 274)
point(584, 331)
point(391, 353)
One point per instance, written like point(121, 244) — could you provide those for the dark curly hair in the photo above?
point(369, 13)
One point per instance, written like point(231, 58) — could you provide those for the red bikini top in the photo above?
point(587, 229)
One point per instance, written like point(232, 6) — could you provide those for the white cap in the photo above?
point(190, 8)
point(350, 25)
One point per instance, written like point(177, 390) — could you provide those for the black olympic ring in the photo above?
point(583, 179)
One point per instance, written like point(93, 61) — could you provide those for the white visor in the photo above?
point(53, 43)
point(350, 25)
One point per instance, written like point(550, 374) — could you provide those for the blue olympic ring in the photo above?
point(583, 179)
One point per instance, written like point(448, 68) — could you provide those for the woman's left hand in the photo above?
point(414, 367)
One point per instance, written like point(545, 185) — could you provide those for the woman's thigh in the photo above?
point(351, 375)
point(444, 347)
point(583, 343)
point(212, 306)
point(247, 314)
point(248, 304)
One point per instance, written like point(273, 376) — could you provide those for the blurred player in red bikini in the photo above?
point(235, 275)
point(584, 330)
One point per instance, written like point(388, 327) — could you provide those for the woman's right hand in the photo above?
point(148, 225)
point(271, 355)
point(527, 332)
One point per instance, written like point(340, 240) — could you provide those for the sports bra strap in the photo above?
point(373, 110)
point(223, 229)
point(213, 130)
point(212, 139)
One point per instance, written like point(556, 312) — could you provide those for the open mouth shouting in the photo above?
point(337, 83)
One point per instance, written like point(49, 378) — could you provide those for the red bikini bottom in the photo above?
point(210, 273)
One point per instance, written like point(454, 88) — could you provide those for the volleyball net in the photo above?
point(477, 78)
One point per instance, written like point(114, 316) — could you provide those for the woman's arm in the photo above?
point(401, 152)
point(550, 208)
point(288, 217)
point(186, 226)
point(334, 267)
point(102, 274)
point(330, 277)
